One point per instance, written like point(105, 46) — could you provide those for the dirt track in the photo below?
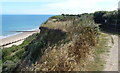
point(112, 59)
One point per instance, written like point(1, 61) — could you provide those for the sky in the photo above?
point(56, 6)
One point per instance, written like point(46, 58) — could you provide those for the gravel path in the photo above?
point(112, 59)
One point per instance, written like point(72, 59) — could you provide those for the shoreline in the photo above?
point(2, 37)
point(16, 39)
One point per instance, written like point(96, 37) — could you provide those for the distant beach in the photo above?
point(13, 25)
point(16, 39)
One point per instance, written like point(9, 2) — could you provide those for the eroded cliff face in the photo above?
point(61, 45)
point(47, 37)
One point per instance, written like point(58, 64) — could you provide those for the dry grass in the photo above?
point(98, 52)
point(71, 53)
point(69, 56)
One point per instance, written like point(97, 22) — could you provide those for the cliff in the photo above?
point(65, 43)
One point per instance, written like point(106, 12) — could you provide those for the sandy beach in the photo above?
point(16, 39)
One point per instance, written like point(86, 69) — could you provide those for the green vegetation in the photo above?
point(99, 50)
point(12, 55)
point(36, 47)
point(109, 21)
point(106, 17)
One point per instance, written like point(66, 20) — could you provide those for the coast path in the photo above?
point(112, 59)
point(16, 39)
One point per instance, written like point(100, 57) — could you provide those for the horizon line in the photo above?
point(60, 13)
point(29, 14)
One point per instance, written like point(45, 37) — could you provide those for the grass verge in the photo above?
point(99, 51)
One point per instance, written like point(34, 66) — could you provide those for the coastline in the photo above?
point(9, 35)
point(16, 39)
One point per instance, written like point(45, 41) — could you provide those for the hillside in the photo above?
point(65, 43)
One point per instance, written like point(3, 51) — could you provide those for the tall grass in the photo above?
point(64, 44)
point(69, 53)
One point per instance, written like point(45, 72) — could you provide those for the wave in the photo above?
point(2, 37)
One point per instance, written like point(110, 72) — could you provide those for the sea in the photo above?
point(9, 23)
